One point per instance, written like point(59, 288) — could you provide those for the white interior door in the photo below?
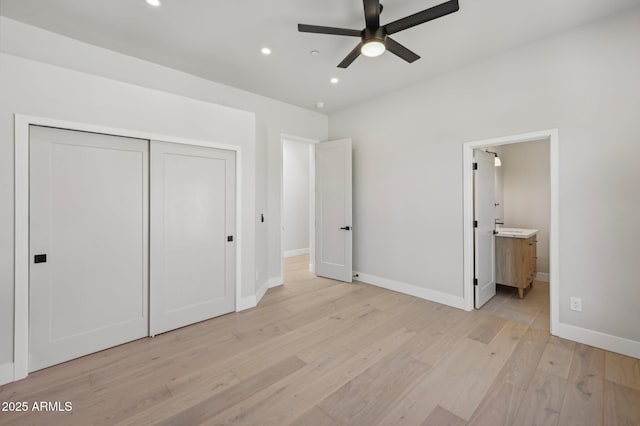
point(333, 210)
point(484, 199)
point(88, 233)
point(192, 234)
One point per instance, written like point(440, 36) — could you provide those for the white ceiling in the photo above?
point(221, 39)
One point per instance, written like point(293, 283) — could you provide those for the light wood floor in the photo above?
point(319, 352)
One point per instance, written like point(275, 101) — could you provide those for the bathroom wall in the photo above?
point(526, 188)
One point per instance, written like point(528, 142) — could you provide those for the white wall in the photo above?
point(408, 166)
point(527, 192)
point(295, 195)
point(48, 75)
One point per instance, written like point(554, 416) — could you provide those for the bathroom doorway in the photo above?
point(525, 187)
point(521, 216)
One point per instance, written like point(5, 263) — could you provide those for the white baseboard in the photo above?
point(296, 252)
point(599, 340)
point(275, 282)
point(542, 276)
point(246, 303)
point(6, 373)
point(412, 290)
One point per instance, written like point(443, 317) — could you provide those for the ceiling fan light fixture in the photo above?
point(373, 48)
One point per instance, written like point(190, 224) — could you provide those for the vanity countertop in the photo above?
point(516, 232)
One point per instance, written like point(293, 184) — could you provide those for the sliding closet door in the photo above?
point(192, 234)
point(88, 242)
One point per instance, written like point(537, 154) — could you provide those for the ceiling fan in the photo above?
point(374, 39)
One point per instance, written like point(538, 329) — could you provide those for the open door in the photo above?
point(484, 223)
point(333, 255)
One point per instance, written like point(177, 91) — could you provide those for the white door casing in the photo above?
point(334, 235)
point(484, 200)
point(192, 217)
point(89, 215)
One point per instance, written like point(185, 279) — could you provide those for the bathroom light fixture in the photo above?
point(334, 80)
point(265, 51)
point(496, 160)
point(154, 3)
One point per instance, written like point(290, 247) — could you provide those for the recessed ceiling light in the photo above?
point(154, 3)
point(265, 51)
point(320, 105)
point(334, 80)
point(314, 52)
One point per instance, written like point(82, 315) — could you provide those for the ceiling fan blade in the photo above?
point(422, 17)
point(303, 28)
point(372, 13)
point(401, 51)
point(352, 56)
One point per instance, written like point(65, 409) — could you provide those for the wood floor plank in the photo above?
point(474, 379)
point(365, 398)
point(315, 417)
point(622, 405)
point(187, 393)
point(290, 402)
point(487, 329)
point(542, 403)
point(208, 408)
point(499, 406)
point(251, 409)
point(441, 417)
point(521, 366)
point(623, 370)
point(556, 357)
point(467, 379)
point(584, 398)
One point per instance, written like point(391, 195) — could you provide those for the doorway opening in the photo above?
point(297, 242)
point(526, 199)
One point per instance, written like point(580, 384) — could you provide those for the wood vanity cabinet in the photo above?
point(516, 262)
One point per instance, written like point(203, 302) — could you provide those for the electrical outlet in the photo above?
point(576, 304)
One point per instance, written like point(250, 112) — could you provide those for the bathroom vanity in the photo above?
point(516, 257)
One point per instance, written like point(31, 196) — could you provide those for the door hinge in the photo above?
point(475, 281)
point(474, 166)
point(475, 223)
point(230, 238)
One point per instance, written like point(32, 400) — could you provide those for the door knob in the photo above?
point(346, 228)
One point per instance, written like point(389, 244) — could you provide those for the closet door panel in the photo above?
point(89, 217)
point(192, 220)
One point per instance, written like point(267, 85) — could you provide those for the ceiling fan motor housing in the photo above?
point(374, 34)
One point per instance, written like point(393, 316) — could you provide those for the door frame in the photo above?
point(552, 136)
point(21, 215)
point(312, 201)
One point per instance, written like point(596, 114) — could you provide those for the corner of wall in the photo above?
point(6, 373)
